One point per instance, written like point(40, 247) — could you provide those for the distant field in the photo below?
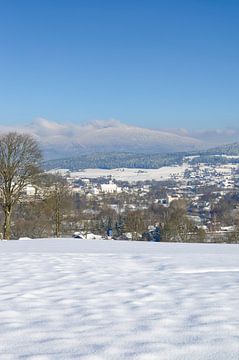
point(132, 175)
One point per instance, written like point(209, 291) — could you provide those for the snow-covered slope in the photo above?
point(62, 140)
point(109, 300)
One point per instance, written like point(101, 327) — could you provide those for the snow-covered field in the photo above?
point(98, 300)
point(132, 175)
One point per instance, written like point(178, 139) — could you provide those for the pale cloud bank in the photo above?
point(69, 139)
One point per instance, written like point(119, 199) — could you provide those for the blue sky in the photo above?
point(160, 64)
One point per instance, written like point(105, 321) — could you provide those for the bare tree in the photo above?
point(19, 164)
point(59, 201)
point(135, 223)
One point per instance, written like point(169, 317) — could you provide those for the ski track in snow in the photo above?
point(106, 300)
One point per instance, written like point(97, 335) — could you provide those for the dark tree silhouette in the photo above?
point(19, 164)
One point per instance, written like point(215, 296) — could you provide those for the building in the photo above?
point(110, 188)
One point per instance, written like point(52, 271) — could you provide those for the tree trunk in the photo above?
point(7, 223)
point(58, 221)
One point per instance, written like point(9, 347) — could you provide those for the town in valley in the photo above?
point(196, 200)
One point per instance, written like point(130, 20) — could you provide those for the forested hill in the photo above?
point(115, 160)
point(144, 161)
point(228, 149)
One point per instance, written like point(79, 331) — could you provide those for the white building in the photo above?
point(30, 190)
point(110, 188)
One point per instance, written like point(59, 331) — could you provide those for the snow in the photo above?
point(132, 175)
point(112, 300)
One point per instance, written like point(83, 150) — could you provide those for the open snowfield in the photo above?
point(109, 300)
point(132, 175)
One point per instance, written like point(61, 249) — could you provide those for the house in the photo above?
point(110, 188)
point(30, 190)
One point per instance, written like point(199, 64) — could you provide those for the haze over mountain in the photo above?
point(64, 140)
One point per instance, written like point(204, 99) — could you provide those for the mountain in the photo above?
point(72, 140)
point(211, 137)
point(228, 149)
point(62, 140)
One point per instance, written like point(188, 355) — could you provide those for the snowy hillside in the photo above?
point(109, 300)
point(69, 140)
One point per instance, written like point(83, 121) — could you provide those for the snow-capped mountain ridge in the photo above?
point(106, 135)
point(59, 140)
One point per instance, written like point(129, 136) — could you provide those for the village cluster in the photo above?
point(205, 189)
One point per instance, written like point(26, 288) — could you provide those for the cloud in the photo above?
point(69, 139)
point(210, 136)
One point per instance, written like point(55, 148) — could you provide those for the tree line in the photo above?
point(115, 160)
point(20, 166)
